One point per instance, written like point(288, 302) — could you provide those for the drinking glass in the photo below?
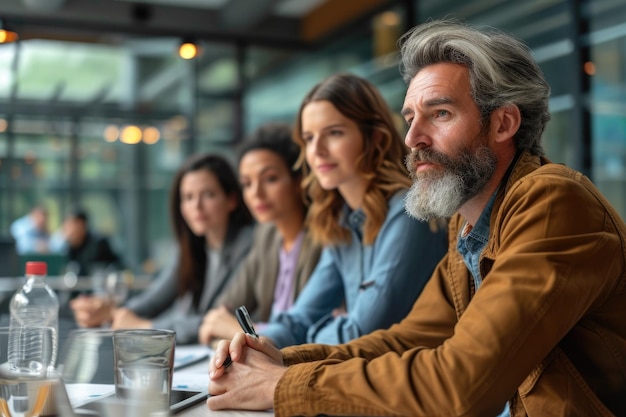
point(112, 285)
point(117, 285)
point(143, 365)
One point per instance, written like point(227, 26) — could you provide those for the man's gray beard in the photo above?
point(434, 198)
point(440, 194)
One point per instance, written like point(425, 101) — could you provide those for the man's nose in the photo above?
point(417, 136)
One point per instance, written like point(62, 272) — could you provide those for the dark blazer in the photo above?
point(160, 301)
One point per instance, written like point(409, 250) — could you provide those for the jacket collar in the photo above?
point(523, 164)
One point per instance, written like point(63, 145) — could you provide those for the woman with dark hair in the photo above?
point(213, 230)
point(283, 254)
point(376, 259)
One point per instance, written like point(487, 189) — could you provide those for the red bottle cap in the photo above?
point(36, 268)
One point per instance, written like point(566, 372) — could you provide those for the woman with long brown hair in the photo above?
point(376, 258)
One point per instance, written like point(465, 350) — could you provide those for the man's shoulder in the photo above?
point(554, 189)
point(528, 164)
point(557, 177)
point(538, 171)
point(97, 239)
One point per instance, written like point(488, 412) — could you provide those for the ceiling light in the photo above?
point(111, 133)
point(188, 49)
point(7, 35)
point(151, 135)
point(130, 135)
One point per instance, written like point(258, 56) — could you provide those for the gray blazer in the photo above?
point(160, 301)
point(256, 280)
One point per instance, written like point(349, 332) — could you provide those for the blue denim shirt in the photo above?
point(471, 246)
point(379, 283)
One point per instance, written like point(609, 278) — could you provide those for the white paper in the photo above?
point(186, 355)
point(80, 394)
point(191, 381)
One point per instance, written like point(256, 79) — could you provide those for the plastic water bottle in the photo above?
point(33, 334)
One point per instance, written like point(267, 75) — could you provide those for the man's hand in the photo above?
point(249, 383)
point(91, 311)
point(217, 323)
point(124, 318)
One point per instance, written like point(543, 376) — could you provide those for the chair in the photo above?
point(57, 263)
point(9, 260)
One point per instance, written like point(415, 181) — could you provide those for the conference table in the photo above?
point(203, 411)
point(191, 366)
point(197, 372)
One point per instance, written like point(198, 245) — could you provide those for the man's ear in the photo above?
point(505, 122)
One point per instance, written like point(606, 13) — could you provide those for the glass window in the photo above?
point(607, 41)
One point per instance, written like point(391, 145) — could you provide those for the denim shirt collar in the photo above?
point(479, 235)
point(470, 245)
point(353, 219)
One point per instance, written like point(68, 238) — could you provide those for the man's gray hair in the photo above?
point(501, 69)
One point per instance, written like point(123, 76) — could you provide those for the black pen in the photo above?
point(243, 317)
point(245, 321)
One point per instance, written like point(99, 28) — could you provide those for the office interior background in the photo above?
point(97, 108)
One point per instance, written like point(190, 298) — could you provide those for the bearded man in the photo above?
point(525, 315)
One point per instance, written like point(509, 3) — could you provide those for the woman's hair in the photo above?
point(274, 137)
point(381, 162)
point(501, 69)
point(192, 264)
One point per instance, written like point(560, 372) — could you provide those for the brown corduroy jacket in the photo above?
point(546, 330)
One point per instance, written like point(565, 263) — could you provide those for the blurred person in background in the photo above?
point(86, 250)
point(376, 259)
point(30, 232)
point(283, 253)
point(213, 230)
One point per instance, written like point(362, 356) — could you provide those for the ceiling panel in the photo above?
point(274, 23)
point(199, 4)
point(254, 22)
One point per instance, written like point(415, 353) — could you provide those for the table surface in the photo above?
point(201, 410)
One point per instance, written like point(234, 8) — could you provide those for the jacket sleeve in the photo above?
point(186, 326)
point(161, 293)
point(559, 257)
point(242, 289)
